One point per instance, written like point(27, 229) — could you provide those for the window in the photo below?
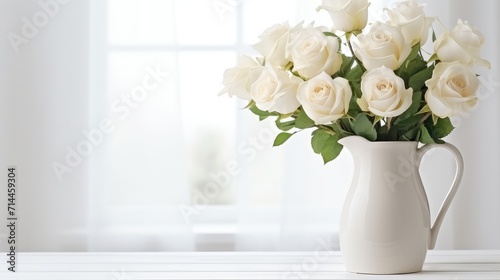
point(180, 147)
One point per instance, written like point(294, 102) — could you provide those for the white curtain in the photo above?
point(138, 174)
point(74, 84)
point(101, 165)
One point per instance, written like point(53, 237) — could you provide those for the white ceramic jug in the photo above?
point(385, 225)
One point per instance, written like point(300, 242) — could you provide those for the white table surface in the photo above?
point(237, 265)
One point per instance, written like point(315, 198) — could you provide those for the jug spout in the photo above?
point(354, 143)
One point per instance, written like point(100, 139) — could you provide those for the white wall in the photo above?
point(44, 107)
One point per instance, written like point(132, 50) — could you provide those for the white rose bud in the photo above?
point(312, 52)
point(276, 91)
point(384, 93)
point(238, 80)
point(272, 45)
point(325, 99)
point(410, 17)
point(462, 44)
point(347, 15)
point(452, 89)
point(382, 45)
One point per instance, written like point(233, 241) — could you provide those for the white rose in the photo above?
point(384, 93)
point(325, 99)
point(462, 44)
point(276, 91)
point(383, 44)
point(410, 17)
point(452, 89)
point(312, 52)
point(272, 45)
point(238, 80)
point(347, 15)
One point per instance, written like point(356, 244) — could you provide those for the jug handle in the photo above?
point(454, 187)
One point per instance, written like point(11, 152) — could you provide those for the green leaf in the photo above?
point(364, 127)
point(441, 129)
point(345, 125)
point(409, 123)
point(354, 108)
point(250, 104)
point(407, 70)
point(417, 81)
point(337, 129)
point(346, 65)
point(355, 74)
point(285, 126)
point(411, 135)
point(386, 134)
point(414, 52)
point(326, 144)
point(412, 65)
point(262, 114)
point(392, 135)
point(413, 109)
point(425, 137)
point(281, 138)
point(318, 140)
point(377, 119)
point(331, 150)
point(439, 141)
point(303, 121)
point(356, 89)
point(284, 116)
point(424, 110)
point(258, 111)
point(330, 34)
point(435, 119)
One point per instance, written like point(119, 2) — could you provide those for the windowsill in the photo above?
point(237, 265)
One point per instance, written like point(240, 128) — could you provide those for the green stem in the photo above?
point(348, 39)
point(351, 62)
point(428, 114)
point(327, 128)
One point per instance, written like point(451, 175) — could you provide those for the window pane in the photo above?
point(141, 22)
point(202, 22)
point(209, 123)
point(261, 14)
point(144, 157)
point(263, 174)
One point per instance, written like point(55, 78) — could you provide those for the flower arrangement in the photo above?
point(372, 81)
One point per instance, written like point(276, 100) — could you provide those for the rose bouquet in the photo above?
point(372, 81)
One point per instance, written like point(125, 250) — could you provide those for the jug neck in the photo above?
point(359, 147)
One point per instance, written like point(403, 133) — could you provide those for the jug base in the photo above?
point(384, 273)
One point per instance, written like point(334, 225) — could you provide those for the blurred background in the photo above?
point(110, 112)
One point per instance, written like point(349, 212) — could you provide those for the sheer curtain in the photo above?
point(93, 131)
point(110, 113)
point(138, 176)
